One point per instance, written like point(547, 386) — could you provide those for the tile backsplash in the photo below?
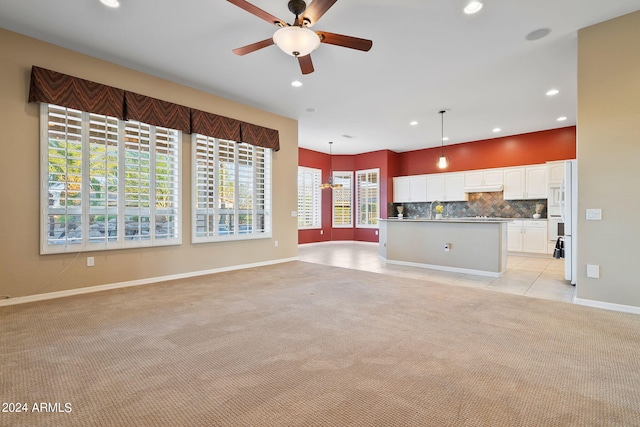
point(479, 204)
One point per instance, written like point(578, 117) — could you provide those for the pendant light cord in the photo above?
point(442, 134)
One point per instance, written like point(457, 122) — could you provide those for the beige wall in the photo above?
point(24, 272)
point(608, 153)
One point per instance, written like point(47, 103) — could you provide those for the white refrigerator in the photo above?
point(569, 211)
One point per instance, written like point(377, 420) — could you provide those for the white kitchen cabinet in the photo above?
point(555, 172)
point(435, 187)
point(410, 189)
point(527, 236)
point(525, 182)
point(514, 236)
point(514, 183)
point(536, 182)
point(454, 187)
point(400, 189)
point(484, 178)
point(446, 187)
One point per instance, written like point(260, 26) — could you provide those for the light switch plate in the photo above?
point(593, 271)
point(594, 214)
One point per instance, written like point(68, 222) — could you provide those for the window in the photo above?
point(343, 200)
point(232, 187)
point(368, 196)
point(106, 183)
point(309, 198)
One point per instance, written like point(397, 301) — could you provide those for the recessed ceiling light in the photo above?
point(473, 7)
point(347, 136)
point(296, 83)
point(561, 119)
point(413, 123)
point(538, 34)
point(496, 130)
point(446, 138)
point(110, 3)
point(310, 110)
point(553, 92)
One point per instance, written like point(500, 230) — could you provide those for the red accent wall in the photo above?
point(317, 160)
point(517, 150)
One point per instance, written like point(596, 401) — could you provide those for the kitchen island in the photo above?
point(466, 245)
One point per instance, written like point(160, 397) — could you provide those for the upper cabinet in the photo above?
point(483, 180)
point(555, 172)
point(410, 189)
point(525, 182)
point(446, 187)
point(435, 187)
point(454, 187)
point(518, 183)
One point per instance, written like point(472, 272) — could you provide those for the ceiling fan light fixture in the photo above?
point(296, 41)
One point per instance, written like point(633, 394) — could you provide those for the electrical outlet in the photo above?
point(90, 261)
point(447, 247)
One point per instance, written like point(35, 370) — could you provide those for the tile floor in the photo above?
point(538, 277)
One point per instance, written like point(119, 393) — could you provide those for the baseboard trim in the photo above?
point(444, 268)
point(607, 305)
point(99, 288)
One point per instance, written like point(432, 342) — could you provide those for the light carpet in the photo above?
point(300, 344)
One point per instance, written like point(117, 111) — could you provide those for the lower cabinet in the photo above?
point(527, 236)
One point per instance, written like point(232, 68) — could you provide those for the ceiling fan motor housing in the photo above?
point(297, 7)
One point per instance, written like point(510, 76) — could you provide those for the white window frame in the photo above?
point(309, 181)
point(371, 217)
point(346, 191)
point(206, 206)
point(56, 236)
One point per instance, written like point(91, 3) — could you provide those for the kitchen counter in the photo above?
point(464, 219)
point(475, 245)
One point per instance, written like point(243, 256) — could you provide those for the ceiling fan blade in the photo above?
point(255, 10)
point(345, 41)
point(316, 9)
point(253, 47)
point(306, 65)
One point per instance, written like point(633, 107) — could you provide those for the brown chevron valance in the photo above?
point(156, 112)
point(72, 92)
point(258, 135)
point(213, 125)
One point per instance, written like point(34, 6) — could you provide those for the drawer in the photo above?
point(534, 223)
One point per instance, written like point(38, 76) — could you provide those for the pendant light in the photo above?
point(443, 161)
point(329, 183)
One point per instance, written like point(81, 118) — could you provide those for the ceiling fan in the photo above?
point(297, 39)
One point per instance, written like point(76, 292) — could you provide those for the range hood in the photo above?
point(484, 189)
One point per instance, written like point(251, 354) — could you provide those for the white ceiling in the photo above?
point(427, 56)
